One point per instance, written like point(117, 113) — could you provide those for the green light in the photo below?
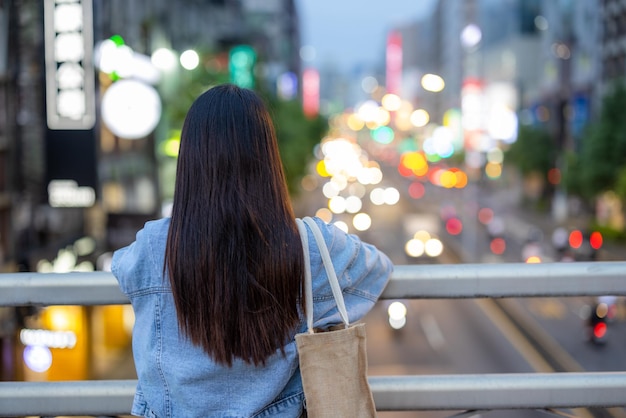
point(382, 134)
point(171, 145)
point(407, 144)
point(241, 65)
point(433, 158)
point(117, 40)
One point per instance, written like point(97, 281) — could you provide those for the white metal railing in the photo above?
point(391, 393)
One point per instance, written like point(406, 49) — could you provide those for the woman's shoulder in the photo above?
point(157, 226)
point(143, 257)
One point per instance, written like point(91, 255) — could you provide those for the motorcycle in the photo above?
point(597, 319)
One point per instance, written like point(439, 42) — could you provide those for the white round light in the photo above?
point(189, 59)
point(337, 204)
point(392, 196)
point(37, 358)
point(353, 204)
point(471, 35)
point(397, 310)
point(163, 59)
point(414, 248)
point(433, 247)
point(362, 221)
point(131, 109)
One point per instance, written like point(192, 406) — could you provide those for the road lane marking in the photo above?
point(520, 343)
point(433, 333)
point(517, 339)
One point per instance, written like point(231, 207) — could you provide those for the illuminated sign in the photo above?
point(311, 92)
point(67, 194)
point(47, 338)
point(70, 85)
point(394, 63)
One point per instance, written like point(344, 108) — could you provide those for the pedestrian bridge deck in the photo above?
point(474, 392)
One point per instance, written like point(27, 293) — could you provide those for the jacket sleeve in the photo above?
point(133, 266)
point(363, 272)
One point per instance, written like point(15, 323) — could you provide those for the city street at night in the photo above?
point(479, 144)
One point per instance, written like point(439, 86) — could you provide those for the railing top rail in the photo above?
point(391, 393)
point(408, 281)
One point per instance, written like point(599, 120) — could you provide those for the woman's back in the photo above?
point(216, 288)
point(178, 379)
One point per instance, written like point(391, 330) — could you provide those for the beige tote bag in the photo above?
point(333, 364)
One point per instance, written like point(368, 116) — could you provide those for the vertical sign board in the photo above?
point(393, 61)
point(70, 103)
point(311, 92)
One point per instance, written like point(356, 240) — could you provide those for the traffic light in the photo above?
point(241, 66)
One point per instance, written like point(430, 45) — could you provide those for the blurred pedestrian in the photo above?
point(216, 288)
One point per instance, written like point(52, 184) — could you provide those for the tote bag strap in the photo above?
point(330, 272)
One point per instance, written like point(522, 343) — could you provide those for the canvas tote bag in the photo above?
point(333, 364)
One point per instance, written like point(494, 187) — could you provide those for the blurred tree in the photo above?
point(571, 175)
point(603, 149)
point(534, 151)
point(620, 185)
point(297, 135)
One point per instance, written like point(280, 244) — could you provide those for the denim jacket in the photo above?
point(178, 379)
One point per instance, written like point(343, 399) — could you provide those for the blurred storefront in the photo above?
point(75, 186)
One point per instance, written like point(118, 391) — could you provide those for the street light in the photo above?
point(131, 109)
point(189, 59)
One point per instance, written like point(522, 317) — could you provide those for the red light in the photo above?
point(595, 240)
point(599, 330)
point(454, 226)
point(485, 215)
point(497, 246)
point(404, 170)
point(554, 176)
point(575, 239)
point(416, 190)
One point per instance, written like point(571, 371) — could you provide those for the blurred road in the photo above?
point(474, 336)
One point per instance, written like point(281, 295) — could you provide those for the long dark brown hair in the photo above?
point(233, 254)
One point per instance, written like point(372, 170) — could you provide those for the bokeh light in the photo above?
point(391, 195)
point(362, 221)
point(485, 215)
point(416, 190)
point(324, 214)
point(382, 135)
point(497, 246)
point(414, 248)
point(433, 247)
point(575, 238)
point(554, 176)
point(337, 204)
point(419, 118)
point(595, 240)
point(454, 226)
point(433, 83)
point(189, 59)
point(164, 59)
point(353, 204)
point(391, 102)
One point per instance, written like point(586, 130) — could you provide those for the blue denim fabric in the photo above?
point(178, 379)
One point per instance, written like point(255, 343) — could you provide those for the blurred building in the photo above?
point(613, 40)
point(71, 193)
point(538, 57)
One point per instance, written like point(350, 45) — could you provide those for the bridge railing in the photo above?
point(471, 392)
